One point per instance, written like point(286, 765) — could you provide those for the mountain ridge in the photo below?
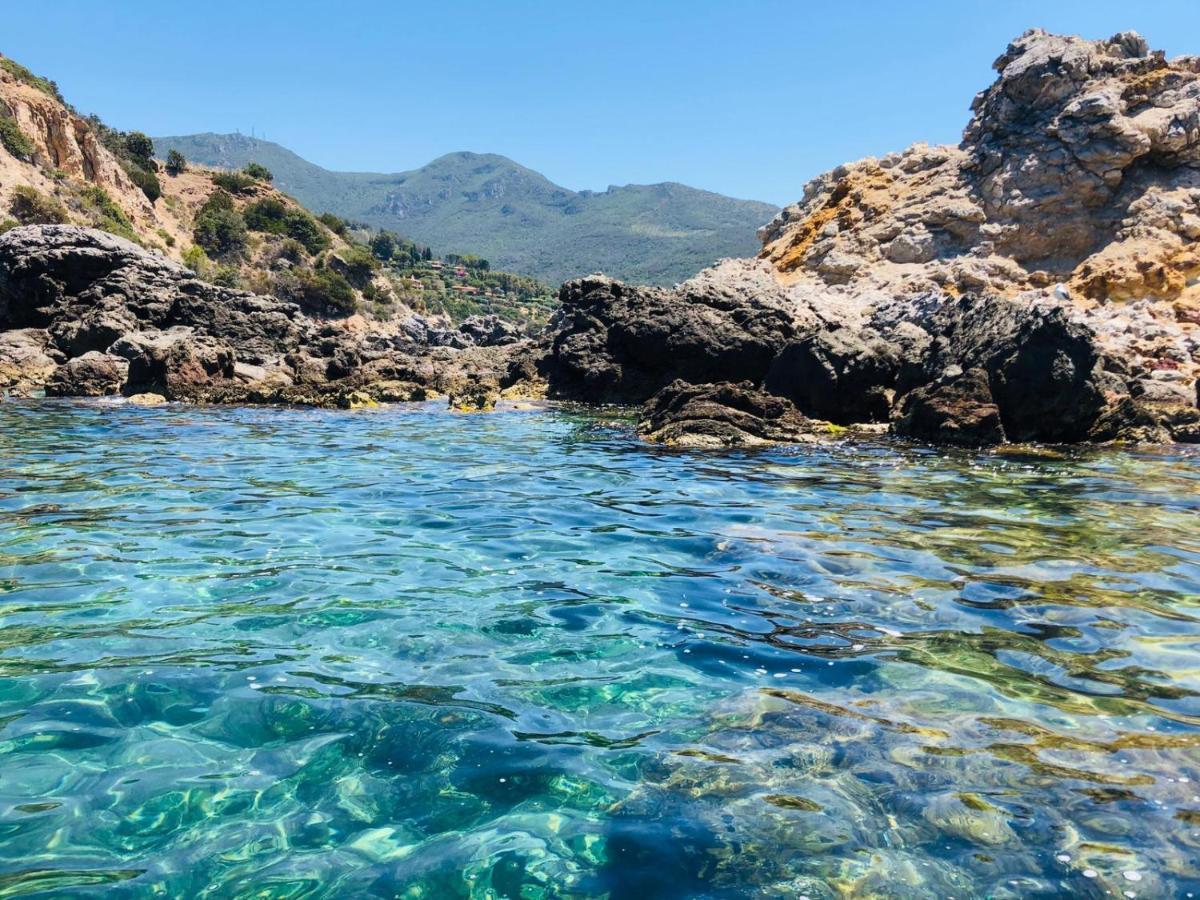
point(489, 204)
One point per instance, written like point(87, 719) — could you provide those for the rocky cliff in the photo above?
point(57, 167)
point(1039, 281)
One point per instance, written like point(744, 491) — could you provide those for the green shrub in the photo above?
point(15, 141)
point(167, 237)
point(7, 225)
point(45, 85)
point(292, 250)
point(360, 265)
point(307, 230)
point(268, 214)
point(219, 227)
point(336, 224)
point(197, 260)
point(383, 245)
point(105, 213)
point(319, 291)
point(139, 147)
point(218, 200)
point(234, 182)
point(146, 180)
point(226, 276)
point(176, 163)
point(32, 207)
point(259, 173)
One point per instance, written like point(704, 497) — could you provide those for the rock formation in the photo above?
point(724, 415)
point(1039, 281)
point(85, 313)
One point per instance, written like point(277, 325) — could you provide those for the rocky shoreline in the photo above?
point(1038, 283)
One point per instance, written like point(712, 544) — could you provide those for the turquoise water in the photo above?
point(408, 653)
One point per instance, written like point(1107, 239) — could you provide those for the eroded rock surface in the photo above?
point(724, 415)
point(86, 313)
point(1038, 282)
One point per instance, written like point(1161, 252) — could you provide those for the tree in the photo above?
point(427, 254)
point(383, 245)
point(176, 163)
point(141, 148)
point(258, 172)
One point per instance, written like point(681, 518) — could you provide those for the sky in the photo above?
point(749, 98)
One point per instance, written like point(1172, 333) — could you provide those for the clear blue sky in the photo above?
point(747, 98)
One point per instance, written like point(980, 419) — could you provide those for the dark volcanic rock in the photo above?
point(92, 375)
point(489, 331)
point(614, 343)
point(958, 409)
point(86, 292)
point(1046, 372)
point(839, 375)
point(177, 363)
point(723, 415)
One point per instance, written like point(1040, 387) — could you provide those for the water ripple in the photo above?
point(289, 653)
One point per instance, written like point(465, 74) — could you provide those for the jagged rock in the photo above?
point(474, 396)
point(840, 375)
point(177, 363)
point(26, 360)
point(724, 415)
point(189, 340)
point(1046, 372)
point(614, 343)
point(93, 287)
point(92, 375)
point(96, 329)
point(489, 331)
point(957, 409)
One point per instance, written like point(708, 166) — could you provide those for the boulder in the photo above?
point(1045, 371)
point(27, 360)
point(489, 331)
point(475, 395)
point(92, 375)
point(956, 409)
point(840, 375)
point(177, 363)
point(724, 415)
point(610, 342)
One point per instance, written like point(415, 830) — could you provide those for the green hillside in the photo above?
point(491, 206)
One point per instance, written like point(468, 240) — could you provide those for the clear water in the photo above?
point(407, 653)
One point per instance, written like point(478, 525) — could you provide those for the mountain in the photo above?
point(515, 217)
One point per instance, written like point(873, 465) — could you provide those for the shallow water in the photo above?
point(408, 653)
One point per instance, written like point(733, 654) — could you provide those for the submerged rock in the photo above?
point(724, 415)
